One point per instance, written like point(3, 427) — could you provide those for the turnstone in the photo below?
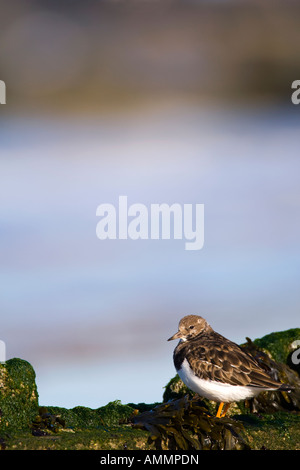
point(215, 367)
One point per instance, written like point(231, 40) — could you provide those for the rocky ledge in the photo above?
point(182, 421)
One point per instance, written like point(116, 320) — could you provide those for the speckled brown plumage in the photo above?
point(211, 356)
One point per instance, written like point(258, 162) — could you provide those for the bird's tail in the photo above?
point(286, 388)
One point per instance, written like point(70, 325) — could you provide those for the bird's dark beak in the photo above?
point(176, 336)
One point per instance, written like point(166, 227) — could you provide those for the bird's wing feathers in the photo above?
point(216, 358)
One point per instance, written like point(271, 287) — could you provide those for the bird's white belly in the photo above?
point(213, 390)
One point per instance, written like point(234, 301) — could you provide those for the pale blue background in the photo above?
point(93, 316)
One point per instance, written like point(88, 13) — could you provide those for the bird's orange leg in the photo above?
point(219, 412)
point(218, 415)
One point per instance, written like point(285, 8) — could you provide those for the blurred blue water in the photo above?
point(93, 316)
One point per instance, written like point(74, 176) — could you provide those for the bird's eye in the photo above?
point(191, 327)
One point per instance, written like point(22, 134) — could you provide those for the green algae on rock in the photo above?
point(268, 402)
point(282, 346)
point(278, 344)
point(45, 422)
point(81, 417)
point(18, 395)
point(277, 431)
point(175, 388)
point(182, 423)
point(120, 438)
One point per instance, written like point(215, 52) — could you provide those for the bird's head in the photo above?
point(189, 327)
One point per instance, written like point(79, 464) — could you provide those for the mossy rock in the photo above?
point(81, 417)
point(280, 345)
point(175, 388)
point(276, 431)
point(268, 402)
point(120, 438)
point(18, 395)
